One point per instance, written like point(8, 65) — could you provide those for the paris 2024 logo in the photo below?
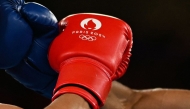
point(89, 30)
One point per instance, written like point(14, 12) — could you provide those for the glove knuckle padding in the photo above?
point(19, 22)
point(40, 18)
point(26, 31)
point(15, 34)
point(126, 54)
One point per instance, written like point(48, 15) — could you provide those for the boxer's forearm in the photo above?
point(69, 101)
point(8, 106)
point(163, 99)
point(151, 99)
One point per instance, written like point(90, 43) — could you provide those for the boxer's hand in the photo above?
point(15, 33)
point(91, 52)
point(26, 31)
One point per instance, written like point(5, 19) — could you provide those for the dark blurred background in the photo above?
point(160, 54)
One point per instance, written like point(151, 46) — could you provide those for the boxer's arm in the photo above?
point(8, 106)
point(148, 99)
point(164, 99)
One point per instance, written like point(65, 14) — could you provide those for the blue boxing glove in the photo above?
point(26, 31)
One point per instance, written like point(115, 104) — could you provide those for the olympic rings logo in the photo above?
point(87, 37)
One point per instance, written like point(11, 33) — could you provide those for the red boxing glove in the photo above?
point(91, 52)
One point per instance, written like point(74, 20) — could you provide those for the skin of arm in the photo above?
point(147, 99)
point(9, 106)
point(69, 101)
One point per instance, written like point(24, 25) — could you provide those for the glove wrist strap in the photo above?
point(88, 75)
